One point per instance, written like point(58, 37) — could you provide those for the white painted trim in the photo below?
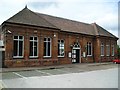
point(102, 55)
point(1, 43)
point(18, 46)
point(102, 48)
point(79, 52)
point(89, 55)
point(61, 49)
point(43, 72)
point(47, 56)
point(61, 56)
point(107, 50)
point(2, 49)
point(17, 56)
point(113, 50)
point(33, 41)
point(76, 48)
point(19, 75)
point(89, 49)
point(33, 56)
point(47, 47)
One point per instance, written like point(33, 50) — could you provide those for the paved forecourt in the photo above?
point(55, 71)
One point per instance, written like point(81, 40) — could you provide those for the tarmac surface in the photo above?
point(23, 72)
point(8, 74)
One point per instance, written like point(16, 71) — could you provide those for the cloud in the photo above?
point(110, 20)
point(42, 5)
point(103, 12)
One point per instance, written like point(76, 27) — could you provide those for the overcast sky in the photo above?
point(103, 12)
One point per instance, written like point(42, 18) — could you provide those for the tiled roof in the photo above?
point(26, 16)
point(69, 25)
point(29, 17)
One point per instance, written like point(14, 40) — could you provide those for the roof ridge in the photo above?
point(95, 28)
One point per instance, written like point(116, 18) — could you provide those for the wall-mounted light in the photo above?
point(54, 35)
point(9, 31)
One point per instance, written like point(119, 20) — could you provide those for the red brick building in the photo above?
point(35, 39)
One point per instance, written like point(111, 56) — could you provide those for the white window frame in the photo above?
point(34, 46)
point(89, 44)
point(47, 47)
point(113, 50)
point(107, 50)
point(102, 49)
point(61, 49)
point(18, 46)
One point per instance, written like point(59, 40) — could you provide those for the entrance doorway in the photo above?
point(76, 53)
point(75, 56)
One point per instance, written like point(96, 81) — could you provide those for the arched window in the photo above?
point(89, 49)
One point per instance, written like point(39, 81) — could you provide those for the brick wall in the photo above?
point(69, 39)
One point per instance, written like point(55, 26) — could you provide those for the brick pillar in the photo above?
point(26, 46)
point(83, 49)
point(54, 47)
point(96, 49)
point(9, 47)
point(41, 47)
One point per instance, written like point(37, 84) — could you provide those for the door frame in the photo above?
point(77, 48)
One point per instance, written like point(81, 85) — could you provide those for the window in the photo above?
point(33, 46)
point(18, 46)
point(60, 48)
point(112, 50)
point(89, 49)
point(102, 49)
point(107, 50)
point(47, 47)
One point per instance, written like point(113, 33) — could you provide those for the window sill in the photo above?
point(61, 56)
point(33, 56)
point(102, 55)
point(18, 57)
point(89, 55)
point(47, 56)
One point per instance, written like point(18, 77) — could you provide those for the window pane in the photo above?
point(35, 48)
point(15, 37)
point(44, 48)
point(90, 49)
point(58, 41)
point(87, 49)
point(58, 49)
point(20, 37)
point(48, 48)
point(62, 52)
point(15, 47)
point(31, 48)
point(45, 39)
point(20, 48)
point(31, 38)
point(48, 39)
point(35, 38)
